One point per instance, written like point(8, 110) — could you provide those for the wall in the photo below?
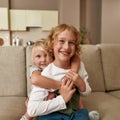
point(90, 18)
point(102, 19)
point(35, 4)
point(70, 12)
point(4, 3)
point(110, 21)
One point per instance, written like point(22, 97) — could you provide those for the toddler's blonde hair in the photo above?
point(39, 43)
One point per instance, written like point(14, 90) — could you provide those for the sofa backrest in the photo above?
point(111, 65)
point(12, 71)
point(28, 64)
point(91, 58)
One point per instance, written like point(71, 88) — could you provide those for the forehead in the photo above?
point(67, 34)
point(38, 49)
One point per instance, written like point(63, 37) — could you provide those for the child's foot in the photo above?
point(23, 118)
point(94, 115)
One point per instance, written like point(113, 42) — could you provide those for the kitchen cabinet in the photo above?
point(49, 19)
point(33, 18)
point(21, 19)
point(4, 25)
point(17, 20)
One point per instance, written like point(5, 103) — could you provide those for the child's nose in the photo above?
point(43, 59)
point(66, 45)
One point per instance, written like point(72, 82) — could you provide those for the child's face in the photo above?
point(41, 57)
point(64, 48)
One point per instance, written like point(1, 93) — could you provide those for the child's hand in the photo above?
point(75, 63)
point(67, 89)
point(77, 80)
point(73, 76)
point(26, 102)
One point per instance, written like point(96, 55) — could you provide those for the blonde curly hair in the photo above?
point(53, 37)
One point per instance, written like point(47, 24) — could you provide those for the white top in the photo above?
point(57, 73)
point(38, 105)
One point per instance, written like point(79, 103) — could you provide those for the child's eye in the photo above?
point(38, 56)
point(61, 41)
point(71, 43)
point(45, 55)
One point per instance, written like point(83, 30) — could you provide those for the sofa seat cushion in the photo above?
point(106, 104)
point(115, 93)
point(12, 108)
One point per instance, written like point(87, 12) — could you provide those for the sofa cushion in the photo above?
point(115, 93)
point(107, 105)
point(111, 65)
point(92, 63)
point(12, 108)
point(28, 64)
point(92, 60)
point(12, 71)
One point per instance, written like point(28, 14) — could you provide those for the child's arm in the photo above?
point(42, 81)
point(73, 74)
point(75, 63)
point(75, 66)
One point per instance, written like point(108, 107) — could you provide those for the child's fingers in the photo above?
point(73, 90)
point(71, 84)
point(70, 74)
point(64, 81)
point(68, 83)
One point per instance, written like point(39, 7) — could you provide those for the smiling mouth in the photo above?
point(65, 53)
point(43, 64)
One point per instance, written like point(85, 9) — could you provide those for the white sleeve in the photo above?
point(34, 68)
point(46, 107)
point(84, 76)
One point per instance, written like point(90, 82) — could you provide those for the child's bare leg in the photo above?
point(26, 102)
point(51, 95)
point(81, 106)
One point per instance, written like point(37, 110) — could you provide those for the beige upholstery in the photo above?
point(111, 66)
point(28, 64)
point(92, 60)
point(12, 82)
point(102, 63)
point(12, 71)
point(107, 105)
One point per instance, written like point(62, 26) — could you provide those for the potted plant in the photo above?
point(84, 39)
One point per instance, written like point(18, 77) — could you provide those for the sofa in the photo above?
point(102, 63)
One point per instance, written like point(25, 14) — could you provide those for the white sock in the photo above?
point(23, 118)
point(94, 115)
